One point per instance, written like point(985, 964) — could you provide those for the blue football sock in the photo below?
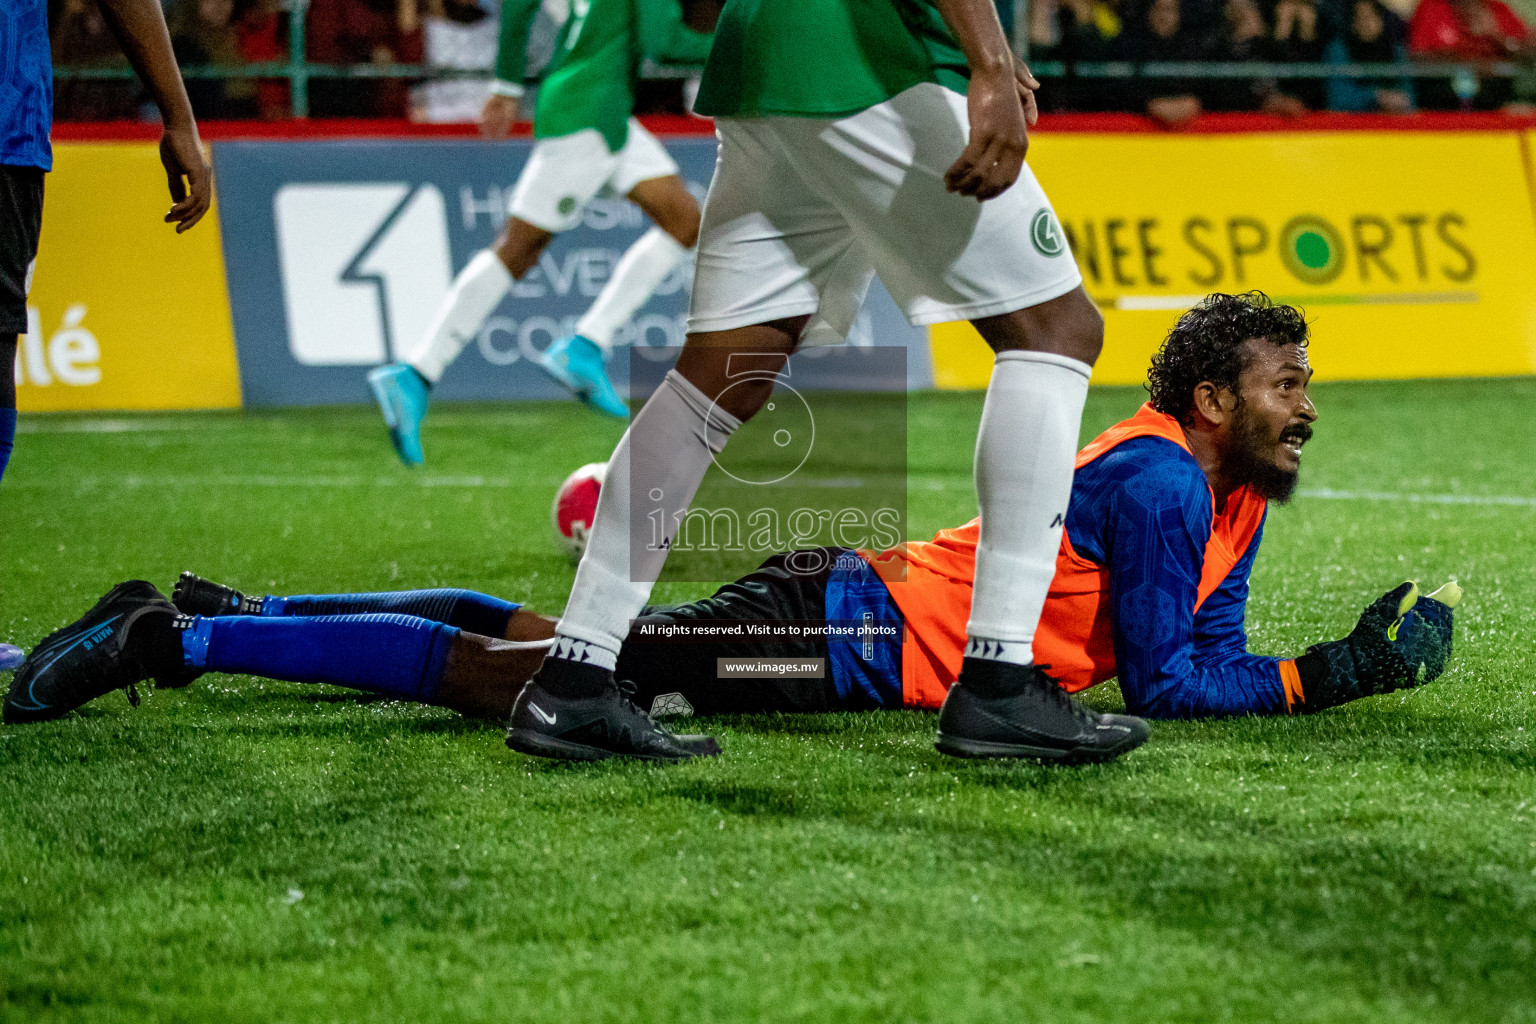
point(400, 656)
point(466, 609)
point(7, 437)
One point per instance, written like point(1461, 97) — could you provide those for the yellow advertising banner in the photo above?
point(1413, 253)
point(124, 313)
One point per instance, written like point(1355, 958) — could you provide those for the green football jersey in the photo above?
point(825, 58)
point(590, 80)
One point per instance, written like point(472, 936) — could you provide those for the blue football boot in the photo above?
point(577, 363)
point(402, 396)
point(11, 657)
point(89, 657)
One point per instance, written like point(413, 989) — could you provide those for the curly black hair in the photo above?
point(1206, 344)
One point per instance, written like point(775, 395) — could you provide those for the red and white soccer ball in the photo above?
point(576, 505)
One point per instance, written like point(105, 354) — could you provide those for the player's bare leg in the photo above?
point(484, 675)
point(1003, 705)
point(671, 206)
point(577, 359)
point(519, 247)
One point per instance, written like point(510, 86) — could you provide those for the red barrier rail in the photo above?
point(332, 128)
point(1321, 121)
point(675, 125)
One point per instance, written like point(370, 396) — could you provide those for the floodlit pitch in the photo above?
point(242, 849)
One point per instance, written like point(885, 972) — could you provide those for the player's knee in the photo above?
point(519, 246)
point(686, 231)
point(668, 202)
point(681, 221)
point(1085, 339)
point(746, 399)
point(1067, 326)
point(739, 368)
point(1072, 327)
point(513, 256)
point(742, 399)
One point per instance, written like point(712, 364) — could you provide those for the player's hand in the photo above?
point(498, 115)
point(1423, 638)
point(1001, 105)
point(1418, 637)
point(1402, 640)
point(1024, 80)
point(188, 175)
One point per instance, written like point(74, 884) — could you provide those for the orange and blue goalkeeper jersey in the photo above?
point(1151, 586)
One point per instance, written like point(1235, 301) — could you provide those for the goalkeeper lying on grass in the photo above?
point(1165, 519)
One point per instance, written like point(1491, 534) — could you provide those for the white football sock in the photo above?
point(635, 277)
point(1024, 456)
point(663, 456)
point(478, 290)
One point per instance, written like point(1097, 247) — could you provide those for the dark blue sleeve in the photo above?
point(1251, 683)
point(1219, 629)
point(1156, 526)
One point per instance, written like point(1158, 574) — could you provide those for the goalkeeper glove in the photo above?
point(1402, 640)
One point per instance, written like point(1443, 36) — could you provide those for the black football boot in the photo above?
point(92, 656)
point(602, 722)
point(194, 595)
point(997, 709)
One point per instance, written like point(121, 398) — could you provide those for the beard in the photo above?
point(1253, 457)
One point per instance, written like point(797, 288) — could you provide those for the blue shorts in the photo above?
point(864, 634)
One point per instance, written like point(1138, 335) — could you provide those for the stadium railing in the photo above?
point(298, 71)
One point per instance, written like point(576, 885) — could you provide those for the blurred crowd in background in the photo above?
point(1472, 32)
point(231, 34)
point(1085, 49)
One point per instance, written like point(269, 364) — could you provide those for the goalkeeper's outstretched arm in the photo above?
point(1402, 640)
point(1177, 662)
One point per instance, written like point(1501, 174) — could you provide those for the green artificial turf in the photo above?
point(264, 852)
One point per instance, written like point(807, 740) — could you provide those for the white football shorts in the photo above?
point(564, 173)
point(803, 211)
